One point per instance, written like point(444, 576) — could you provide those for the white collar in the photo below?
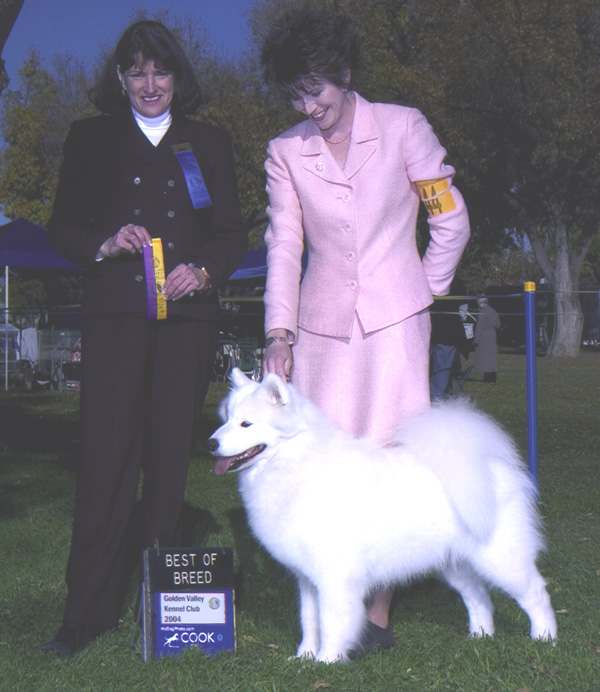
point(153, 128)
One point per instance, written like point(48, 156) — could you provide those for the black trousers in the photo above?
point(143, 386)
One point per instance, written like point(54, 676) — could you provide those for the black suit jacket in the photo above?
point(111, 176)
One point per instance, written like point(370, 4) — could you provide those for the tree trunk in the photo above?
point(568, 325)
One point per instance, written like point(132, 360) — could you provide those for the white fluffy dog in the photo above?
point(347, 517)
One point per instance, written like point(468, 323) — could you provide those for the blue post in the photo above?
point(532, 447)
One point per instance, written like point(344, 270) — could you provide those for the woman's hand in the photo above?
point(185, 279)
point(278, 359)
point(130, 238)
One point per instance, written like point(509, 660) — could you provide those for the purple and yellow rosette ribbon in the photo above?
point(154, 265)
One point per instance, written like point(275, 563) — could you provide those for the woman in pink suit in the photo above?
point(345, 184)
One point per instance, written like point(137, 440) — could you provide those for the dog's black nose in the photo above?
point(213, 445)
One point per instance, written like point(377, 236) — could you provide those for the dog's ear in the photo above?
point(277, 389)
point(238, 379)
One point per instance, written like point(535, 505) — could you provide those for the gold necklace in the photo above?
point(337, 141)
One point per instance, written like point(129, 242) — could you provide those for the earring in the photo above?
point(123, 89)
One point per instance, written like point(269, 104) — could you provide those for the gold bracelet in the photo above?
point(206, 276)
point(207, 283)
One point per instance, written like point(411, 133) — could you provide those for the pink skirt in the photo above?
point(370, 382)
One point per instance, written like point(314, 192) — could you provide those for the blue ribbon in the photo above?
point(193, 175)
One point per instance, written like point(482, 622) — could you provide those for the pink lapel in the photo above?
point(363, 144)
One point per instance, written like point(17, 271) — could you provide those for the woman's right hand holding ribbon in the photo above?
point(129, 238)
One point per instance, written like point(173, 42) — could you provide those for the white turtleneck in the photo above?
point(153, 128)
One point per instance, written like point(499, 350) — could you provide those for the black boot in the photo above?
point(372, 637)
point(72, 638)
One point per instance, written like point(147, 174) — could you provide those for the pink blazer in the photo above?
point(358, 224)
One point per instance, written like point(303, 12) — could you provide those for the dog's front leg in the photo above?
point(342, 616)
point(309, 619)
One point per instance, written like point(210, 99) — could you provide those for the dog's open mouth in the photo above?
point(235, 463)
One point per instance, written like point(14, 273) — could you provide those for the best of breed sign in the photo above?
point(188, 600)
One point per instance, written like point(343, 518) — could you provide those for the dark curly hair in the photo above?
point(306, 47)
point(149, 40)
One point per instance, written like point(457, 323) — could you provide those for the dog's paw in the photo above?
point(306, 650)
point(548, 635)
point(331, 657)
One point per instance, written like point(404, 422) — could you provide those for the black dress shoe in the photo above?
point(372, 637)
point(72, 638)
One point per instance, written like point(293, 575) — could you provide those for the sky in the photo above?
point(81, 27)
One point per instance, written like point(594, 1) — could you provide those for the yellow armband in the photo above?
point(436, 195)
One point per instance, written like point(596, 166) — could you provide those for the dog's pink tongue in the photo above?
point(222, 465)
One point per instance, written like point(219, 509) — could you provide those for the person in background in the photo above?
point(150, 314)
point(486, 349)
point(448, 340)
point(345, 184)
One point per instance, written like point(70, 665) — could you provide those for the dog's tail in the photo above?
point(475, 460)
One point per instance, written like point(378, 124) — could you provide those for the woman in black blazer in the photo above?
point(140, 172)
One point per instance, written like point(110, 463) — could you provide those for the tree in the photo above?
point(524, 111)
point(34, 124)
point(237, 103)
point(525, 106)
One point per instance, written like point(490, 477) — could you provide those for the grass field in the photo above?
point(38, 443)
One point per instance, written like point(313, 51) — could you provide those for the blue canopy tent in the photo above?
point(25, 244)
point(253, 266)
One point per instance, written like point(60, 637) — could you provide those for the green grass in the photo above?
point(38, 437)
